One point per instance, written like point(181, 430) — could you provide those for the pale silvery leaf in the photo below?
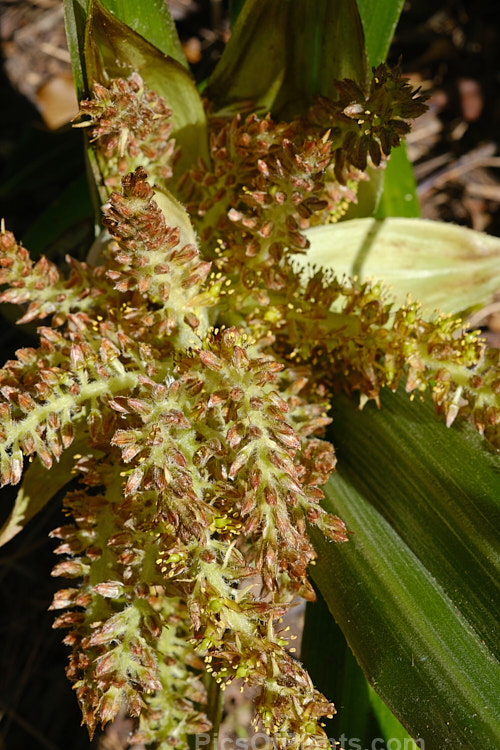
point(444, 266)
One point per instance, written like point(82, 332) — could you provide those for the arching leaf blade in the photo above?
point(152, 20)
point(361, 716)
point(235, 7)
point(416, 590)
point(240, 81)
point(324, 44)
point(445, 267)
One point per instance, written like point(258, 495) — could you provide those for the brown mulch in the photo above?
point(454, 52)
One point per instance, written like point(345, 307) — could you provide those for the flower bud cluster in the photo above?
point(368, 125)
point(351, 333)
point(267, 182)
point(131, 125)
point(127, 629)
point(41, 286)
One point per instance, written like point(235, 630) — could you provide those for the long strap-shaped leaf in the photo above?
point(152, 20)
point(361, 715)
point(416, 590)
point(75, 16)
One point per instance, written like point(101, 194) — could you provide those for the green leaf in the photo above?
point(75, 16)
point(240, 82)
point(390, 727)
point(152, 20)
point(379, 23)
point(112, 49)
point(444, 266)
point(415, 591)
point(361, 714)
point(235, 7)
point(305, 45)
point(38, 488)
point(334, 671)
point(399, 196)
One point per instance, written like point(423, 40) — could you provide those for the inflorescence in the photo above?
point(193, 368)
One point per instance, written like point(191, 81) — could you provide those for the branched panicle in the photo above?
point(159, 262)
point(196, 365)
point(269, 181)
point(40, 285)
point(215, 461)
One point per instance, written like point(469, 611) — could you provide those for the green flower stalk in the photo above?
point(197, 365)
